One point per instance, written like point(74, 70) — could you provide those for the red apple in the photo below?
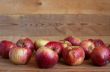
point(109, 52)
point(46, 58)
point(88, 46)
point(56, 46)
point(40, 43)
point(100, 56)
point(73, 40)
point(90, 40)
point(20, 55)
point(26, 42)
point(109, 45)
point(5, 47)
point(65, 43)
point(0, 48)
point(73, 55)
point(98, 42)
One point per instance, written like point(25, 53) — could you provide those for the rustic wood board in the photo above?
point(55, 25)
point(55, 7)
point(106, 39)
point(7, 66)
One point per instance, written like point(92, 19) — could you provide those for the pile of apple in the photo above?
point(47, 53)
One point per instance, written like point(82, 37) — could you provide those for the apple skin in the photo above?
point(20, 56)
point(0, 48)
point(73, 40)
point(55, 46)
point(109, 51)
point(100, 56)
point(5, 46)
point(26, 42)
point(88, 47)
point(46, 58)
point(73, 55)
point(40, 43)
point(98, 42)
point(109, 46)
point(65, 43)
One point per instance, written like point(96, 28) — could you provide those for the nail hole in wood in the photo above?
point(99, 24)
point(30, 24)
point(42, 24)
point(39, 3)
point(84, 23)
point(36, 25)
point(70, 24)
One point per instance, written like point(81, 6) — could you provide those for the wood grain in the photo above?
point(55, 25)
point(55, 7)
point(7, 66)
point(106, 39)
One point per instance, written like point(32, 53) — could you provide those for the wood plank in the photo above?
point(55, 25)
point(55, 7)
point(7, 66)
point(106, 39)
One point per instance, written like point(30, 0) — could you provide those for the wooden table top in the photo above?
point(7, 66)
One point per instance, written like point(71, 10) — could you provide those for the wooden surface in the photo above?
point(55, 25)
point(55, 7)
point(54, 17)
point(7, 66)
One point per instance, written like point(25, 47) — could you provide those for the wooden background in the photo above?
point(54, 7)
point(54, 17)
point(55, 25)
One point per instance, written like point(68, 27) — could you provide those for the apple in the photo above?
point(108, 46)
point(98, 42)
point(65, 43)
point(20, 56)
point(109, 52)
point(40, 43)
point(56, 46)
point(26, 42)
point(5, 47)
point(88, 47)
point(73, 40)
point(73, 55)
point(100, 56)
point(46, 57)
point(0, 48)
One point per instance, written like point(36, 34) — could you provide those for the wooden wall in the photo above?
point(54, 6)
point(54, 17)
point(55, 25)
